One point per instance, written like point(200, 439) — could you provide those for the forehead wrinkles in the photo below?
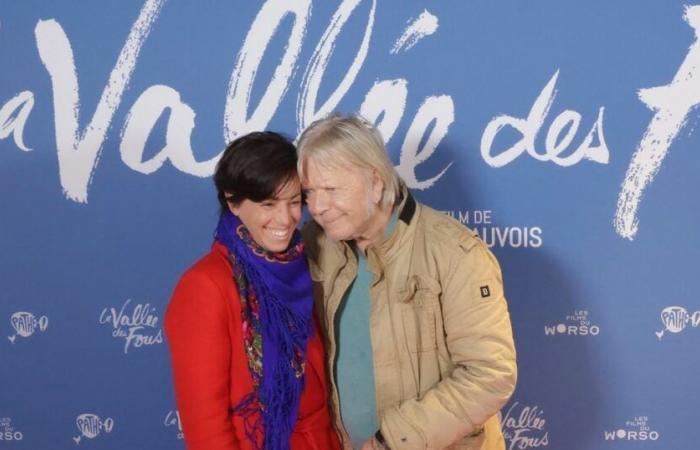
point(337, 173)
point(318, 174)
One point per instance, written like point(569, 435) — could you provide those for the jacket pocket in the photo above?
point(470, 443)
point(420, 304)
point(419, 327)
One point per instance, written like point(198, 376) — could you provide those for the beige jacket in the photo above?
point(443, 353)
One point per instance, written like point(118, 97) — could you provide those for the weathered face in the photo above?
point(272, 222)
point(341, 200)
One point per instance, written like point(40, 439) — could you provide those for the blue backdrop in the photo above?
point(561, 131)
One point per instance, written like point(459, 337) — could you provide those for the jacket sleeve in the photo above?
point(196, 324)
point(479, 340)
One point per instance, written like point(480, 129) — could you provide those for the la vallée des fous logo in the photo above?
point(635, 429)
point(8, 432)
point(172, 419)
point(524, 427)
point(91, 426)
point(676, 319)
point(576, 324)
point(138, 324)
point(26, 324)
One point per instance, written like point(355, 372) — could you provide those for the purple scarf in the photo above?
point(276, 302)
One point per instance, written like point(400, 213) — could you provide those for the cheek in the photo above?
point(260, 221)
point(358, 204)
point(296, 215)
point(344, 202)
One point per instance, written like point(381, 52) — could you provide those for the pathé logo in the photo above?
point(26, 324)
point(676, 319)
point(90, 426)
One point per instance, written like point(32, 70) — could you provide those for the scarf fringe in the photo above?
point(285, 327)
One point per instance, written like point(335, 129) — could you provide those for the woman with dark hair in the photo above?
point(247, 357)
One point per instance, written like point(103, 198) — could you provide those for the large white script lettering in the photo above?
point(79, 148)
point(386, 99)
point(306, 104)
point(236, 122)
point(78, 153)
point(672, 104)
point(178, 146)
point(13, 117)
point(439, 109)
point(555, 144)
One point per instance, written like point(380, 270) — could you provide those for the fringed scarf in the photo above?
point(276, 303)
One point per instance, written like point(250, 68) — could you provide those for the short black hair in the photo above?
point(254, 167)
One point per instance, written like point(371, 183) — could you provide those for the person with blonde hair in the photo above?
point(419, 344)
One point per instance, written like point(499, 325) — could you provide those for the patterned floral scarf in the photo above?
point(276, 302)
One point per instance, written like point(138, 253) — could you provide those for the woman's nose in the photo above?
point(283, 215)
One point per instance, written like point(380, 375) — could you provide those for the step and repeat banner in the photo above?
point(561, 131)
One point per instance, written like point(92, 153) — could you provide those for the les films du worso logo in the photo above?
point(577, 323)
point(8, 432)
point(635, 429)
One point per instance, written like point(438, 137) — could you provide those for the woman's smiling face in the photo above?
point(272, 222)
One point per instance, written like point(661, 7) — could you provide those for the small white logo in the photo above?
point(90, 426)
point(26, 324)
point(636, 429)
point(576, 324)
point(8, 432)
point(172, 419)
point(676, 318)
point(524, 427)
point(139, 328)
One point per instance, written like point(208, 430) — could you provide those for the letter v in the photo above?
point(78, 153)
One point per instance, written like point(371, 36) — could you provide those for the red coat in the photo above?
point(203, 326)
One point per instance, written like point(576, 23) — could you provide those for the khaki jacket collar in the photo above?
point(382, 253)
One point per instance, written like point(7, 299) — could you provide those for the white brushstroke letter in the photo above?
point(236, 121)
point(439, 109)
point(425, 25)
point(529, 129)
point(13, 117)
point(671, 104)
point(78, 153)
point(306, 102)
point(386, 99)
point(178, 144)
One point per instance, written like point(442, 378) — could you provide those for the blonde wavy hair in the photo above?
point(340, 141)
